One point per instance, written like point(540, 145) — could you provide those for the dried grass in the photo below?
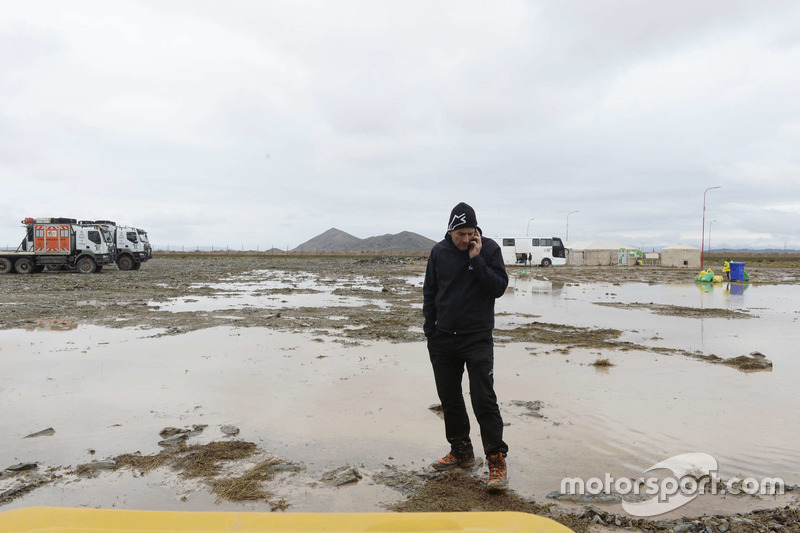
point(247, 487)
point(239, 490)
point(143, 463)
point(206, 462)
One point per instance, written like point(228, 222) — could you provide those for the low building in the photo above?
point(601, 253)
point(680, 256)
point(652, 258)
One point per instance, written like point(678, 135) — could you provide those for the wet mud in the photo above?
point(682, 311)
point(238, 471)
point(146, 298)
point(212, 463)
point(363, 300)
point(177, 293)
point(656, 275)
point(461, 491)
point(115, 299)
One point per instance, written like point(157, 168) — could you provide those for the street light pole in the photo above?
point(529, 227)
point(710, 225)
point(703, 235)
point(568, 214)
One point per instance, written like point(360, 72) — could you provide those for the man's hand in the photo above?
point(475, 245)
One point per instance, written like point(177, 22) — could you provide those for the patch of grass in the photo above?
point(239, 489)
point(247, 487)
point(205, 460)
point(744, 362)
point(143, 463)
point(602, 362)
point(193, 461)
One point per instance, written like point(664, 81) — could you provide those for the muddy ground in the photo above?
point(144, 299)
point(135, 299)
point(115, 299)
point(124, 299)
point(238, 471)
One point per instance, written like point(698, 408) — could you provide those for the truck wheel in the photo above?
point(5, 266)
point(546, 262)
point(23, 266)
point(125, 262)
point(86, 265)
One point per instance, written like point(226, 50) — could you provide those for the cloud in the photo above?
point(254, 121)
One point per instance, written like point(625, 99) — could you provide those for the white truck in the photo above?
point(59, 242)
point(132, 244)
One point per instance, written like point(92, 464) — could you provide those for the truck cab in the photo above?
point(132, 245)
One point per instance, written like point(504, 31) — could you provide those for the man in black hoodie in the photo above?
point(465, 275)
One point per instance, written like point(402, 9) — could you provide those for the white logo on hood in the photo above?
point(458, 220)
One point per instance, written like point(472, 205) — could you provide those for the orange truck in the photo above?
point(59, 243)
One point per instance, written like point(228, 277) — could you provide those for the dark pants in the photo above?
point(449, 354)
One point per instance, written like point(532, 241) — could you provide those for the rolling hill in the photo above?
point(336, 240)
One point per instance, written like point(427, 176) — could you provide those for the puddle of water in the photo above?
point(275, 289)
point(771, 331)
point(415, 281)
point(278, 280)
point(325, 404)
point(54, 325)
point(280, 301)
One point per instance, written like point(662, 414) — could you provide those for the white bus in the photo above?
point(544, 251)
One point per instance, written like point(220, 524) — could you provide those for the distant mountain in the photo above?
point(335, 240)
point(405, 241)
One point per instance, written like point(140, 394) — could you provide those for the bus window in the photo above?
point(546, 242)
point(508, 242)
point(534, 242)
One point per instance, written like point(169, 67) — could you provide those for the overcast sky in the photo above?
point(264, 123)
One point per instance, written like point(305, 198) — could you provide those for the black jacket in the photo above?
point(459, 292)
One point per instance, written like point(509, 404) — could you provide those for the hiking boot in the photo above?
point(450, 461)
point(498, 472)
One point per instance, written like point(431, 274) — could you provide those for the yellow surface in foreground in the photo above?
point(67, 520)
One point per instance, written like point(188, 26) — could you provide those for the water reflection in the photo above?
point(53, 325)
point(768, 325)
point(737, 288)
